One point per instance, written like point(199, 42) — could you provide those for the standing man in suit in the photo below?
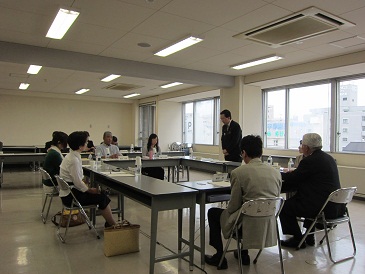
point(231, 137)
point(250, 181)
point(314, 179)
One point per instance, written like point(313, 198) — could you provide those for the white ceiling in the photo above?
point(104, 38)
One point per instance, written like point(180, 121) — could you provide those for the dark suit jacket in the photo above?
point(231, 139)
point(314, 179)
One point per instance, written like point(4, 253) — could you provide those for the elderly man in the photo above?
point(314, 179)
point(107, 149)
point(250, 181)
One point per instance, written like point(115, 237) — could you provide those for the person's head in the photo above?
point(77, 140)
point(59, 139)
point(152, 141)
point(225, 116)
point(251, 147)
point(107, 137)
point(310, 143)
point(300, 148)
point(114, 140)
point(87, 133)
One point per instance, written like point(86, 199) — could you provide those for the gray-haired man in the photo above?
point(314, 179)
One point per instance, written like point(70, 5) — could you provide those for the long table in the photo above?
point(19, 158)
point(156, 195)
point(207, 193)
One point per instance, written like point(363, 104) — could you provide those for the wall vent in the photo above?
point(122, 87)
point(302, 25)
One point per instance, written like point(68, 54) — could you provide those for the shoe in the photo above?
point(245, 258)
point(310, 240)
point(292, 242)
point(106, 225)
point(214, 260)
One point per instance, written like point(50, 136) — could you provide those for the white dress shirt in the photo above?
point(102, 150)
point(71, 171)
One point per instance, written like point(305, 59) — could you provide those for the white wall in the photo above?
point(31, 120)
point(169, 126)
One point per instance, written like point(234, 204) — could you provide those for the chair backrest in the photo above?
point(46, 176)
point(263, 207)
point(342, 195)
point(62, 183)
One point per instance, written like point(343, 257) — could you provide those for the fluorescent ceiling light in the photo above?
point(171, 85)
point(260, 61)
point(23, 86)
point(187, 42)
point(34, 69)
point(131, 95)
point(63, 21)
point(81, 91)
point(110, 77)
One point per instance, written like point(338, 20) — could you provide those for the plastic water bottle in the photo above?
point(107, 153)
point(154, 153)
point(290, 164)
point(98, 159)
point(269, 160)
point(191, 153)
point(138, 166)
point(132, 148)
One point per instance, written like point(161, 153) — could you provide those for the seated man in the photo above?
point(314, 179)
point(107, 149)
point(115, 141)
point(250, 181)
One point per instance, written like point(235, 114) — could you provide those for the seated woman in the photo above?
point(54, 158)
point(71, 172)
point(152, 150)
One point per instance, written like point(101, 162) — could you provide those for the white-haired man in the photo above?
point(314, 179)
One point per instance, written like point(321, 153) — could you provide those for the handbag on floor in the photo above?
point(121, 239)
point(76, 218)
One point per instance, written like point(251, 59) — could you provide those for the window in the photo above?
point(309, 111)
point(285, 126)
point(201, 122)
point(309, 107)
point(275, 119)
point(353, 118)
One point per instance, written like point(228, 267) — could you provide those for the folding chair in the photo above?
point(339, 196)
point(75, 205)
point(261, 207)
point(52, 192)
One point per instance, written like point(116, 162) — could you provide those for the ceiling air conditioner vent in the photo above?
point(302, 25)
point(122, 87)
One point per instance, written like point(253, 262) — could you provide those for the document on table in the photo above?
point(117, 173)
point(221, 184)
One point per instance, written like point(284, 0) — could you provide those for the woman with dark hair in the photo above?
point(54, 157)
point(152, 150)
point(71, 172)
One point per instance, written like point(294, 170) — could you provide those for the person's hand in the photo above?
point(94, 190)
point(114, 156)
point(225, 152)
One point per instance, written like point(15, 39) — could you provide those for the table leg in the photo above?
point(179, 230)
point(1, 172)
point(154, 220)
point(202, 229)
point(191, 235)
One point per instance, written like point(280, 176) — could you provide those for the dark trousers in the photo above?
point(215, 232)
point(233, 158)
point(86, 198)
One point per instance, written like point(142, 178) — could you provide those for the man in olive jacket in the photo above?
point(250, 181)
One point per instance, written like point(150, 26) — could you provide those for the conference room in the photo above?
point(314, 82)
